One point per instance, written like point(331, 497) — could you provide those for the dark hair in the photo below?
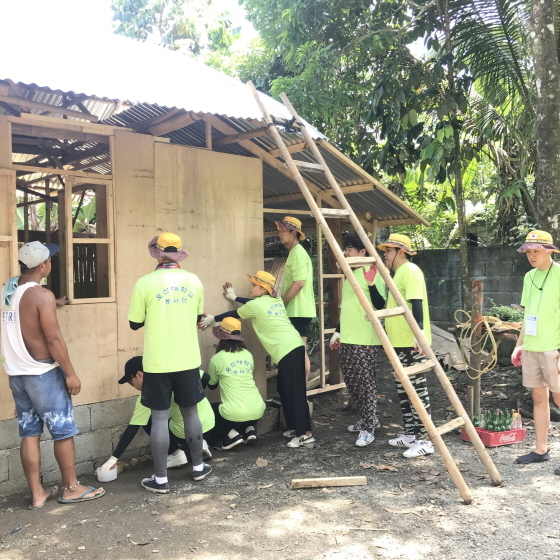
point(353, 240)
point(230, 345)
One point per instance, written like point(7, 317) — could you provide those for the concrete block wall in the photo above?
point(500, 268)
point(101, 426)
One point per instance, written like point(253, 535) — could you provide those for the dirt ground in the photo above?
point(246, 511)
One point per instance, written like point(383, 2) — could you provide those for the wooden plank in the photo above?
point(451, 425)
point(71, 172)
point(208, 134)
point(169, 125)
point(308, 166)
point(284, 211)
point(46, 107)
point(393, 312)
point(65, 124)
point(326, 388)
point(328, 192)
point(66, 258)
point(5, 142)
point(237, 138)
point(293, 148)
point(39, 131)
point(146, 123)
point(334, 212)
point(321, 298)
point(93, 240)
point(419, 368)
point(360, 261)
point(328, 482)
point(341, 276)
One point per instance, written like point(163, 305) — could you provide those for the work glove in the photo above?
point(110, 464)
point(206, 321)
point(417, 347)
point(335, 341)
point(229, 292)
point(516, 356)
point(370, 275)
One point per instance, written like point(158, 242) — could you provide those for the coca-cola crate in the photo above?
point(494, 439)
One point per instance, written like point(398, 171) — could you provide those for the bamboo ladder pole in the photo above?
point(433, 432)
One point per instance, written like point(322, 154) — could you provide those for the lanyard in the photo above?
point(541, 288)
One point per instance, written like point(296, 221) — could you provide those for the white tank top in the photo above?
point(18, 360)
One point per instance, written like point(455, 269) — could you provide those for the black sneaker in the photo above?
point(230, 443)
point(151, 485)
point(201, 475)
point(532, 457)
point(274, 402)
point(250, 435)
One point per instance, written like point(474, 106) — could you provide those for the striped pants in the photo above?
point(411, 421)
point(359, 364)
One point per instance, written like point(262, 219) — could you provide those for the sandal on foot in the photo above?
point(532, 457)
point(83, 498)
point(52, 490)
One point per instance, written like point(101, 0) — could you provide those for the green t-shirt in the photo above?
point(545, 305)
point(354, 325)
point(241, 400)
point(272, 326)
point(299, 267)
point(411, 284)
point(168, 302)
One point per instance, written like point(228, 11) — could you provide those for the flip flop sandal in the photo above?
point(53, 491)
point(82, 498)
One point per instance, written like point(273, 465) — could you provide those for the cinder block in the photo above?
point(93, 445)
point(49, 477)
point(9, 434)
point(82, 417)
point(13, 486)
point(85, 468)
point(15, 470)
point(112, 413)
point(4, 471)
point(269, 422)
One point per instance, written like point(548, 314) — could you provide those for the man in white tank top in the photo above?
point(42, 378)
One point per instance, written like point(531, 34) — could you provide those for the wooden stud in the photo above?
point(328, 482)
point(46, 107)
point(30, 169)
point(321, 298)
point(208, 132)
point(25, 218)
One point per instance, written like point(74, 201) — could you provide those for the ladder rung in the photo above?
point(451, 425)
point(393, 312)
point(358, 261)
point(334, 212)
point(334, 276)
point(329, 331)
point(307, 166)
point(419, 368)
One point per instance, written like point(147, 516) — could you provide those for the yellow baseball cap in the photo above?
point(398, 240)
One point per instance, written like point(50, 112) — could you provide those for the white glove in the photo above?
point(229, 292)
point(206, 321)
point(335, 341)
point(110, 464)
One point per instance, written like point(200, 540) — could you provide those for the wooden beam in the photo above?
point(10, 109)
point(147, 123)
point(169, 125)
point(265, 156)
point(46, 107)
point(364, 187)
point(42, 196)
point(40, 131)
point(300, 147)
point(236, 138)
point(328, 482)
point(401, 222)
point(31, 169)
point(285, 211)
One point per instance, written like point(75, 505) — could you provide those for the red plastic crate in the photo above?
point(495, 439)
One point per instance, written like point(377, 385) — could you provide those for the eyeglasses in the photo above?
point(130, 380)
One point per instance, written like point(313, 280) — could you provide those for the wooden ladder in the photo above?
point(402, 373)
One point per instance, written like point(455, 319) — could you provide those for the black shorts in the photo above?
point(185, 386)
point(302, 325)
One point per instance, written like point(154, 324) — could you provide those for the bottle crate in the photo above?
point(495, 439)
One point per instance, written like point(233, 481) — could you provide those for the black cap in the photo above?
point(131, 368)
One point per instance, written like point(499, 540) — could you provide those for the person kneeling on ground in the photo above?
point(537, 349)
point(358, 342)
point(141, 417)
point(284, 345)
point(242, 405)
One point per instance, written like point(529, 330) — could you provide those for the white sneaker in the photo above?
point(365, 439)
point(290, 434)
point(174, 461)
point(302, 441)
point(402, 440)
point(206, 453)
point(358, 426)
point(421, 447)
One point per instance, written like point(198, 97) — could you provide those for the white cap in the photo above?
point(34, 253)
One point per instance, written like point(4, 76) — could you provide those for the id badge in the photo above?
point(531, 325)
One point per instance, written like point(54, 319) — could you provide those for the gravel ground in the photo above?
point(246, 511)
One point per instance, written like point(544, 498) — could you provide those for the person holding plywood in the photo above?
point(283, 344)
point(297, 288)
point(168, 304)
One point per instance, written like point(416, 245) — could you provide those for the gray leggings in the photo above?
point(159, 437)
